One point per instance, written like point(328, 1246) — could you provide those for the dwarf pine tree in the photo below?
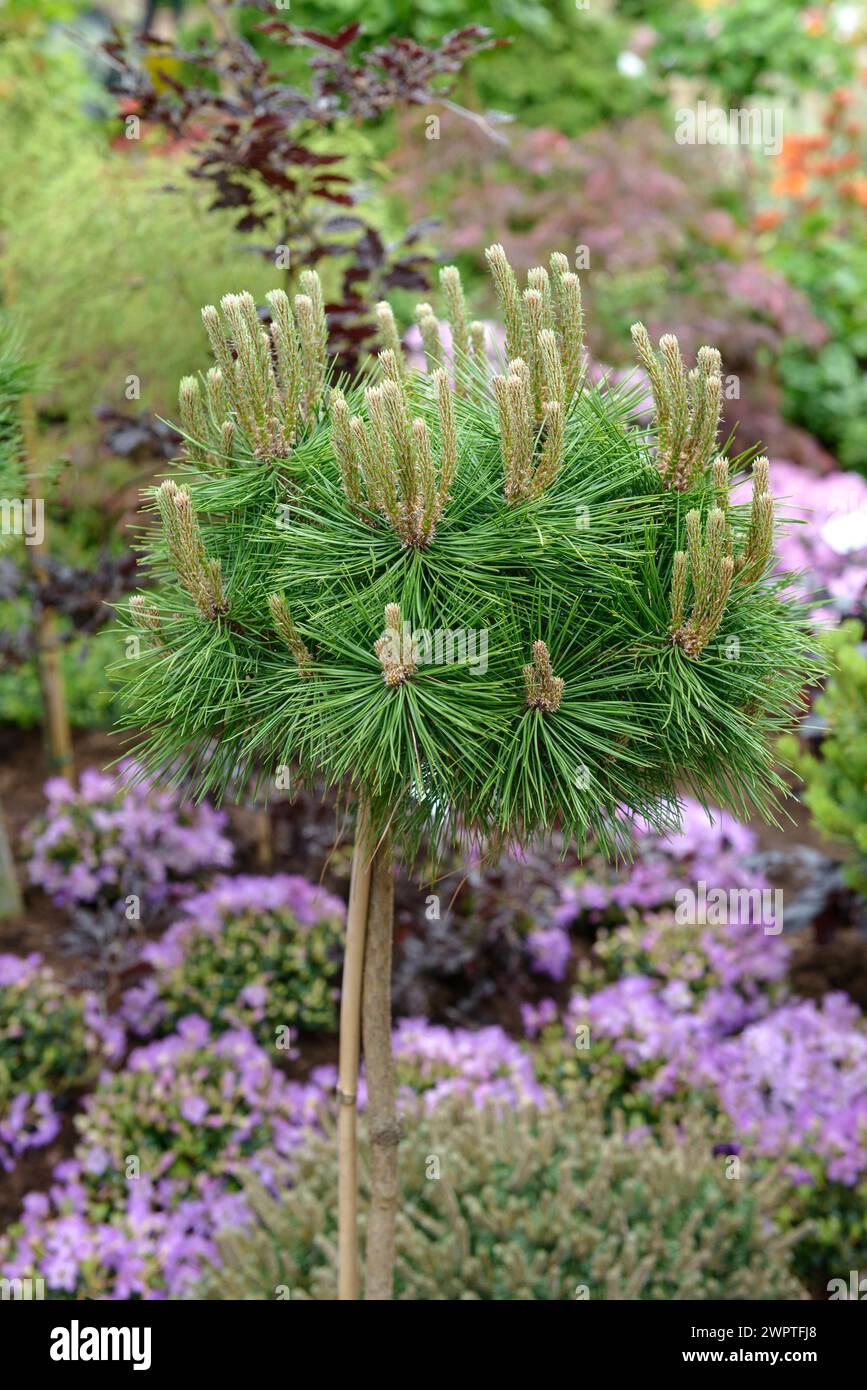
point(483, 600)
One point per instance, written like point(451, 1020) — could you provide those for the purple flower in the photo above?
point(550, 951)
point(194, 1109)
point(107, 838)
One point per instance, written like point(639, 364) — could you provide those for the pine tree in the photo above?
point(487, 604)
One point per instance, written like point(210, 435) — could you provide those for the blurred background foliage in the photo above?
point(561, 137)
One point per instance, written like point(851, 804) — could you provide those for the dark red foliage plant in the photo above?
point(259, 143)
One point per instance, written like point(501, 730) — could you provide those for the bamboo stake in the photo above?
point(350, 1045)
point(57, 735)
point(382, 1122)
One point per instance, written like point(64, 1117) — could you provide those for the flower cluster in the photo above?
point(714, 849)
point(825, 547)
point(51, 1042)
point(487, 1065)
point(704, 1016)
point(106, 839)
point(250, 952)
point(155, 1171)
point(795, 1083)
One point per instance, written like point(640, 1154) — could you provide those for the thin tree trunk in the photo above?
point(350, 1044)
point(58, 739)
point(382, 1122)
point(10, 893)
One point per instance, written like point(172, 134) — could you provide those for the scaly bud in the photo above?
point(448, 436)
point(687, 406)
point(544, 690)
point(344, 450)
point(284, 625)
point(453, 290)
point(146, 615)
point(287, 349)
point(509, 296)
point(389, 335)
point(395, 649)
point(552, 449)
point(200, 576)
point(193, 422)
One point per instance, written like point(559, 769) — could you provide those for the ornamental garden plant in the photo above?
point(485, 604)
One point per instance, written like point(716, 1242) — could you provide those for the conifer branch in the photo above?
point(200, 576)
point(711, 570)
point(687, 406)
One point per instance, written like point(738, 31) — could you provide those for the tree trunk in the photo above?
point(383, 1126)
point(10, 894)
point(350, 1044)
point(58, 739)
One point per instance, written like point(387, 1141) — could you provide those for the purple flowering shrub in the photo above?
point(105, 840)
point(784, 1080)
point(824, 546)
point(155, 1172)
point(164, 1148)
point(486, 1066)
point(250, 952)
point(714, 851)
point(52, 1041)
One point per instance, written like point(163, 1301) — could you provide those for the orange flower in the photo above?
point(790, 184)
point(855, 189)
point(767, 219)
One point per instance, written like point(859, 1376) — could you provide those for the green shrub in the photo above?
point(47, 1042)
point(559, 70)
point(93, 227)
point(836, 780)
point(91, 704)
point(531, 1205)
point(257, 953)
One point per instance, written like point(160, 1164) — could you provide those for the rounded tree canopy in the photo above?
point(474, 590)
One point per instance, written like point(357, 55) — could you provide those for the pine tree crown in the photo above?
point(483, 597)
